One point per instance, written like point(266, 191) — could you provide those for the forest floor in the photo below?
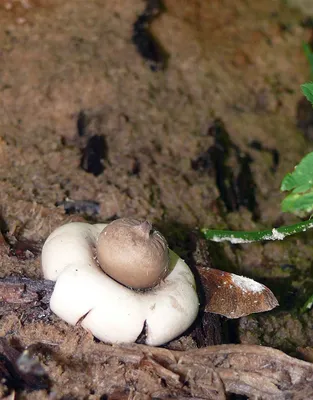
point(197, 134)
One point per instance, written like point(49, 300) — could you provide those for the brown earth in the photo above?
point(237, 61)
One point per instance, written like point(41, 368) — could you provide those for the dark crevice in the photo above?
point(136, 167)
point(147, 45)
point(81, 123)
point(94, 154)
point(86, 207)
point(237, 189)
point(91, 143)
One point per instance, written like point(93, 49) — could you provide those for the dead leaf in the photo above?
point(234, 296)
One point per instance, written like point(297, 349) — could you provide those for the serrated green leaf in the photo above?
point(298, 202)
point(307, 90)
point(300, 185)
point(302, 176)
point(303, 188)
point(288, 183)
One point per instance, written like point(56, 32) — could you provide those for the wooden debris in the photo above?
point(27, 296)
point(209, 373)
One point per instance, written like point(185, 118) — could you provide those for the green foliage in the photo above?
point(307, 89)
point(300, 184)
point(307, 305)
point(300, 181)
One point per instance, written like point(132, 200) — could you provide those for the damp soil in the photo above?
point(185, 113)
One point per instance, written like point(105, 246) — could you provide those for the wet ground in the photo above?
point(188, 115)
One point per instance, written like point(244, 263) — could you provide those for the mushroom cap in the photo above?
point(109, 310)
point(132, 253)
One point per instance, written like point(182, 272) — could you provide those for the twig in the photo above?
point(256, 236)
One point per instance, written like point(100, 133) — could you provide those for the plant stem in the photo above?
point(256, 236)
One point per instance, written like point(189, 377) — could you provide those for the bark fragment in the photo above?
point(26, 296)
point(213, 372)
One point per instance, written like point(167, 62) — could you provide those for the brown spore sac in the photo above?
point(132, 253)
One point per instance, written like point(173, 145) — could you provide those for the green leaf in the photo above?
point(296, 202)
point(301, 177)
point(307, 90)
point(300, 184)
point(307, 305)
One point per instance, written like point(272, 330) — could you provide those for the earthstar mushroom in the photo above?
point(133, 254)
